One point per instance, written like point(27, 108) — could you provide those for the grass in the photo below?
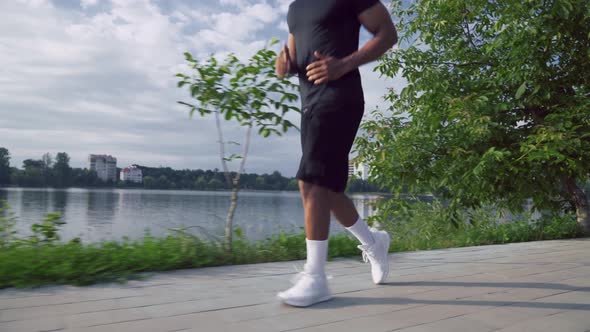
point(42, 259)
point(428, 228)
point(84, 264)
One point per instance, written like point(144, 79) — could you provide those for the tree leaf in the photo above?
point(186, 104)
point(520, 90)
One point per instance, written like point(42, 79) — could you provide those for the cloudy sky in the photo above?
point(97, 76)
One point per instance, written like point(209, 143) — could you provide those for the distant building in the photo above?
point(104, 166)
point(362, 171)
point(132, 173)
point(358, 169)
point(351, 168)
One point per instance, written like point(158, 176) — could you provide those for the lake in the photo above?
point(107, 214)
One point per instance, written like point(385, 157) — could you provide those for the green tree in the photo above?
point(149, 182)
point(293, 185)
point(47, 169)
point(33, 173)
point(497, 105)
point(84, 178)
point(163, 182)
point(201, 183)
point(4, 166)
point(276, 181)
point(260, 183)
point(248, 93)
point(62, 172)
point(15, 175)
point(215, 184)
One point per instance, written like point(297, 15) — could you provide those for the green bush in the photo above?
point(426, 226)
point(7, 222)
point(42, 259)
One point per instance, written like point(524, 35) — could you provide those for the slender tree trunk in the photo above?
point(222, 151)
point(229, 220)
point(228, 225)
point(234, 194)
point(578, 196)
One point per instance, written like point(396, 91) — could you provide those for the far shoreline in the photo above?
point(180, 190)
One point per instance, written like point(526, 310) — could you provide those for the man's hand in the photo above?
point(326, 69)
point(283, 63)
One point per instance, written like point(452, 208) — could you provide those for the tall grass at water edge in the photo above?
point(43, 259)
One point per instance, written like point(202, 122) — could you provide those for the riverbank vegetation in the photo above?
point(43, 258)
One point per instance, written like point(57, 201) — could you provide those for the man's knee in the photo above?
point(305, 188)
point(316, 193)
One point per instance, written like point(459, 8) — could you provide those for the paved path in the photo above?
point(537, 286)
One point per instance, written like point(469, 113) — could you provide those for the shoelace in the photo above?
point(295, 279)
point(300, 274)
point(365, 257)
point(367, 253)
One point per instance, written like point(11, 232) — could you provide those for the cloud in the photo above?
point(237, 3)
point(98, 77)
point(283, 5)
point(283, 26)
point(88, 3)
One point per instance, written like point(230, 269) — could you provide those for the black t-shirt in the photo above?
point(330, 27)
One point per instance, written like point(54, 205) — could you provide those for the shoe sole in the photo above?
point(304, 303)
point(384, 278)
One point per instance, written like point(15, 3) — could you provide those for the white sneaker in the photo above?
point(378, 254)
point(308, 289)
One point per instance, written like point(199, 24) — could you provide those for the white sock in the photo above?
point(361, 231)
point(317, 254)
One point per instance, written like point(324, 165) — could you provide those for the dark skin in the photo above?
point(285, 63)
point(327, 68)
point(318, 201)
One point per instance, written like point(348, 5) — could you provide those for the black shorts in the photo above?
point(327, 134)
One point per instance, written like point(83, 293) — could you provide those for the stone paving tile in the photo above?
point(502, 317)
point(388, 321)
point(36, 325)
point(568, 321)
point(66, 296)
point(453, 324)
point(536, 286)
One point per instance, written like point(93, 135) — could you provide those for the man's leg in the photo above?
point(345, 211)
point(311, 286)
point(316, 206)
point(374, 243)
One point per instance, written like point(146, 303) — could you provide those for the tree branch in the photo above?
point(246, 148)
point(222, 150)
point(469, 39)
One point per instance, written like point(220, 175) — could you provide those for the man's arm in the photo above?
point(286, 61)
point(292, 53)
point(376, 19)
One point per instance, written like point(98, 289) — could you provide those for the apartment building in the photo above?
point(132, 173)
point(105, 166)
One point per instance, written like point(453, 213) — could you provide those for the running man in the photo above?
point(323, 51)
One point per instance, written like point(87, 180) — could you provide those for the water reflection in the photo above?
point(94, 215)
point(58, 200)
point(101, 206)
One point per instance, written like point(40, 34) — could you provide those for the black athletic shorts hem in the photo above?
point(328, 131)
